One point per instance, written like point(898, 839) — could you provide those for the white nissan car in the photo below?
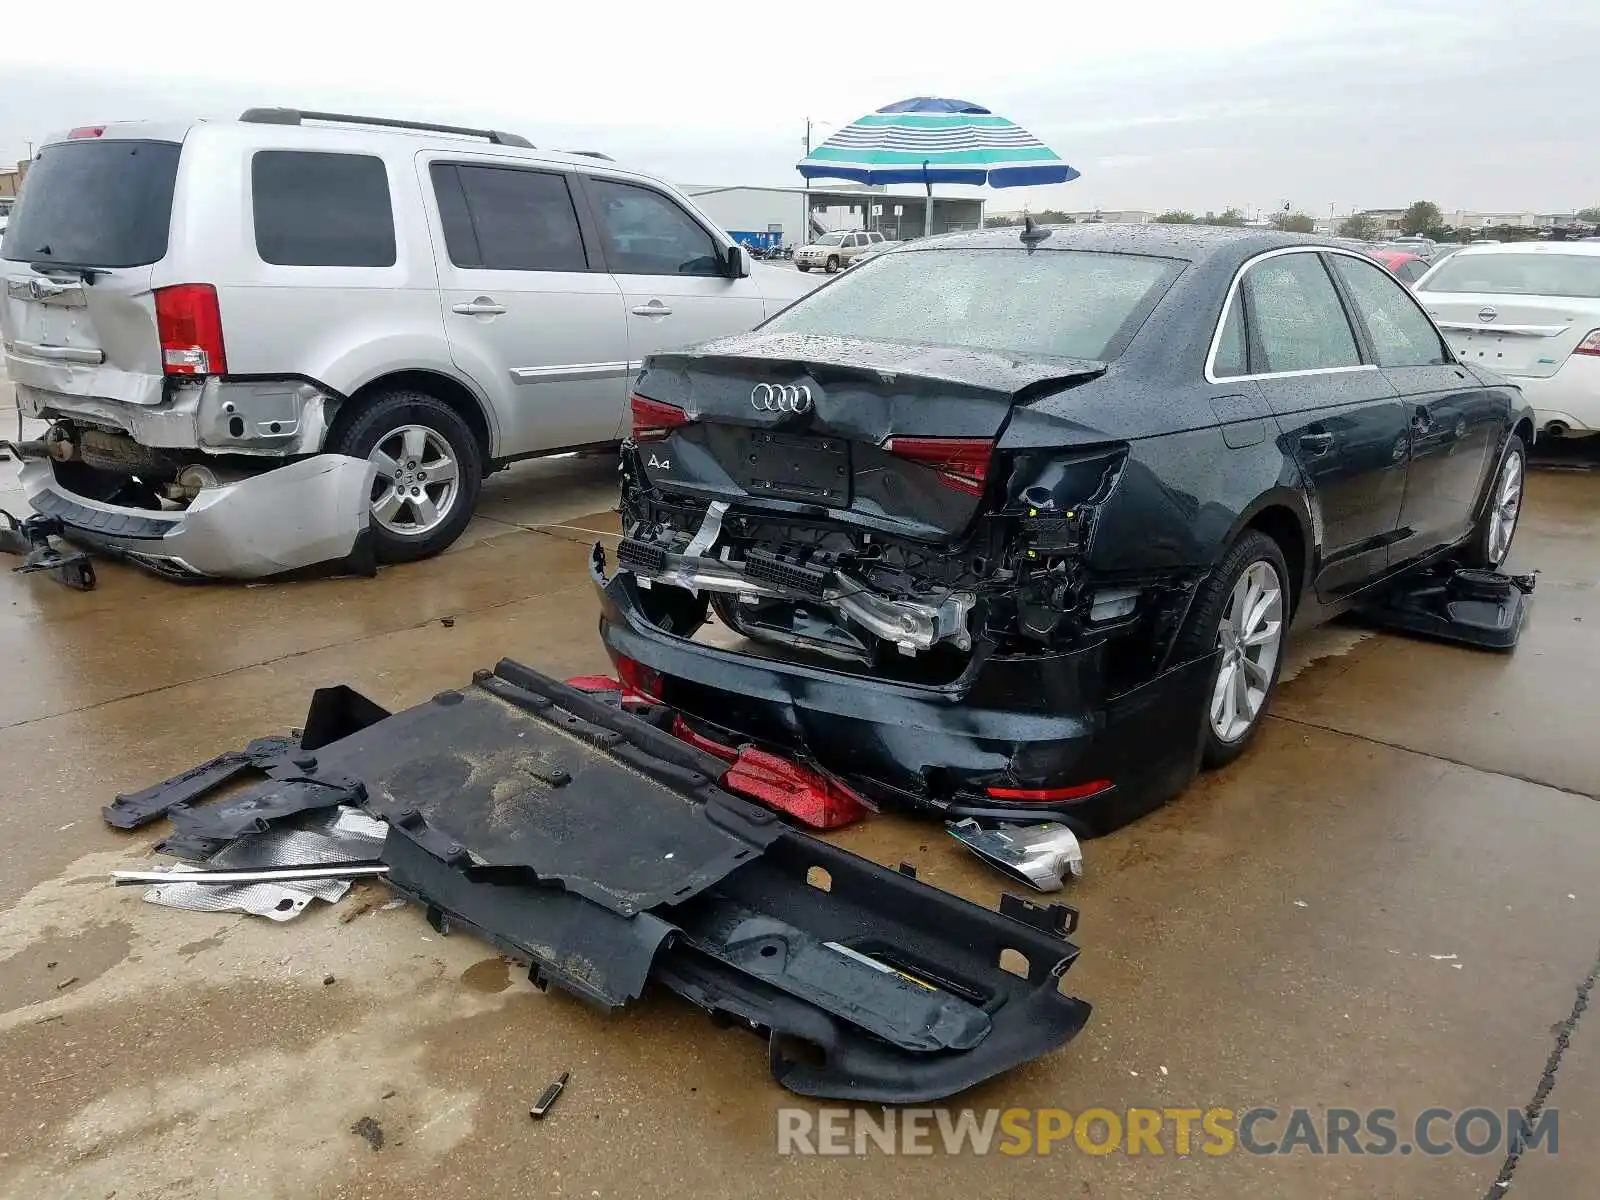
point(1529, 311)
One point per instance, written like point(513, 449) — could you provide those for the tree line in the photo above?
point(1423, 218)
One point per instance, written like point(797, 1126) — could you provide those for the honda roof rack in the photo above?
point(294, 116)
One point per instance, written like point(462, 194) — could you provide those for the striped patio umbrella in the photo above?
point(931, 139)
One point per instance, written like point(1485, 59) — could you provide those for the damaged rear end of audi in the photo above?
point(897, 543)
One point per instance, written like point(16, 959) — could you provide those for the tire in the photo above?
point(1486, 546)
point(1209, 624)
point(832, 267)
point(727, 609)
point(803, 267)
point(414, 432)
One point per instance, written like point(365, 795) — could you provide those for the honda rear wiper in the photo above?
point(87, 274)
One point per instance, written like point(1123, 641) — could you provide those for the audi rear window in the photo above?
point(1067, 303)
point(1576, 275)
point(95, 202)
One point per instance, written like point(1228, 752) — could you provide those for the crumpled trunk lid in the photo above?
point(897, 437)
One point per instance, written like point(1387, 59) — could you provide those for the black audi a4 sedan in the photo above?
point(1014, 525)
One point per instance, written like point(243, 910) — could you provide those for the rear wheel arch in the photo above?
point(1280, 517)
point(1524, 430)
point(444, 388)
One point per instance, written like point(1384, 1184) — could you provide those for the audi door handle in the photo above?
point(654, 309)
point(481, 307)
point(1316, 443)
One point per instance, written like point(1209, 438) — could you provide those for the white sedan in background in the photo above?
point(1529, 311)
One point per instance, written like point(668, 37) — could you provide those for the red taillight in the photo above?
point(653, 420)
point(1590, 345)
point(189, 323)
point(807, 795)
point(603, 685)
point(1078, 791)
point(962, 463)
point(83, 131)
point(638, 678)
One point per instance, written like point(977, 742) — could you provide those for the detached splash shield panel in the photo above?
point(593, 845)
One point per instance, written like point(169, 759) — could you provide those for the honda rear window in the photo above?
point(1067, 303)
point(314, 209)
point(95, 203)
point(1519, 275)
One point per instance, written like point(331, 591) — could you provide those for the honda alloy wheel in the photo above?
point(427, 469)
point(418, 481)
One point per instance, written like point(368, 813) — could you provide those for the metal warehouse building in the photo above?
point(778, 215)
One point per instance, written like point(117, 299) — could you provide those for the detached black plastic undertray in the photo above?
point(597, 848)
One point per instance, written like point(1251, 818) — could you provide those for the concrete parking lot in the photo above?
point(1391, 901)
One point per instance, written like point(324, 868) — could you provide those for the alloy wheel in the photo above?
point(417, 481)
point(1506, 507)
point(1250, 637)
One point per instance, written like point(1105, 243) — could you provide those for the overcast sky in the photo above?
point(1161, 105)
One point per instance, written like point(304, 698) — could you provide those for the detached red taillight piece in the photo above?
point(628, 697)
point(87, 131)
point(962, 463)
point(1077, 791)
point(653, 420)
point(189, 323)
point(807, 795)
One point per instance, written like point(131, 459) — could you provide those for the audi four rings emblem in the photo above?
point(781, 398)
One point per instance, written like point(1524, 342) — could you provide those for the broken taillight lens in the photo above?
point(1590, 344)
point(654, 419)
point(638, 678)
point(809, 795)
point(189, 323)
point(806, 794)
point(1077, 791)
point(962, 463)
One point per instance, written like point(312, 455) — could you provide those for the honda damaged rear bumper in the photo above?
point(308, 515)
point(1015, 737)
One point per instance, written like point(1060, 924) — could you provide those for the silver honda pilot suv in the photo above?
point(300, 339)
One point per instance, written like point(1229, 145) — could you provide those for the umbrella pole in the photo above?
point(927, 205)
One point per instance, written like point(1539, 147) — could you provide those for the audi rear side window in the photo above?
point(315, 209)
point(1296, 316)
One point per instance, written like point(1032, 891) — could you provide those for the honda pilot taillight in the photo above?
point(653, 419)
point(962, 463)
point(1590, 345)
point(189, 323)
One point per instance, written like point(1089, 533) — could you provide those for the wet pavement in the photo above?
point(1391, 901)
